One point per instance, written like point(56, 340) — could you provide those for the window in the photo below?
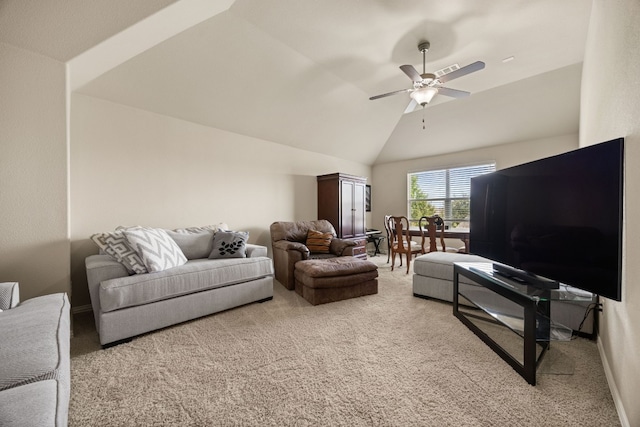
point(443, 192)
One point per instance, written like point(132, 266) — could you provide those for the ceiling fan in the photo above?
point(427, 85)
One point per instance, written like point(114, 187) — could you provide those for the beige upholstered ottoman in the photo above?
point(333, 279)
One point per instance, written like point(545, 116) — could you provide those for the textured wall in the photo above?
point(610, 108)
point(34, 247)
point(130, 166)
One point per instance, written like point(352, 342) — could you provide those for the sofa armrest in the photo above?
point(253, 251)
point(101, 268)
point(9, 295)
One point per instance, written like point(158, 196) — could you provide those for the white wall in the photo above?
point(34, 245)
point(610, 108)
point(133, 167)
point(389, 183)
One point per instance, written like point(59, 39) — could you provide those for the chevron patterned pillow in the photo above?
point(116, 245)
point(157, 250)
point(318, 242)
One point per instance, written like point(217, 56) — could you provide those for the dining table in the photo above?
point(449, 233)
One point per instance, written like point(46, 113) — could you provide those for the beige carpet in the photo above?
point(382, 360)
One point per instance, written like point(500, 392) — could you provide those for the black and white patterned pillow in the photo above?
point(157, 250)
point(229, 244)
point(116, 245)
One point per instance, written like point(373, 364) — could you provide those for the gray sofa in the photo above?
point(128, 305)
point(433, 278)
point(34, 359)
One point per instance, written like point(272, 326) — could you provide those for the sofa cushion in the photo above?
point(229, 244)
point(193, 244)
point(194, 276)
point(319, 242)
point(30, 405)
point(221, 226)
point(34, 348)
point(115, 244)
point(157, 250)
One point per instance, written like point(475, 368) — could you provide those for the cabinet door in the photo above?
point(359, 209)
point(346, 209)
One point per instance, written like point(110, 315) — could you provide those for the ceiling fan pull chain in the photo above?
point(422, 118)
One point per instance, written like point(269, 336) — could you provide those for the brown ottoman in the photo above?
point(333, 279)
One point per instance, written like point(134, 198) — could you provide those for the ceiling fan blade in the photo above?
point(476, 66)
point(412, 106)
point(454, 93)
point(389, 94)
point(410, 71)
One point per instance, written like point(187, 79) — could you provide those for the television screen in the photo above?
point(558, 217)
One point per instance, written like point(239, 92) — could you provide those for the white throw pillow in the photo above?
point(157, 250)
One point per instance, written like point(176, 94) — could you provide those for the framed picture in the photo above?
point(367, 198)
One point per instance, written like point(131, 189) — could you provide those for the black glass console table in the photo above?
point(511, 316)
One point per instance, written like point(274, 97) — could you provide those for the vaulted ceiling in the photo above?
point(300, 72)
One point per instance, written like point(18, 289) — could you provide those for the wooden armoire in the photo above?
point(341, 201)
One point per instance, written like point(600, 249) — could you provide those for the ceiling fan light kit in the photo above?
point(428, 85)
point(424, 95)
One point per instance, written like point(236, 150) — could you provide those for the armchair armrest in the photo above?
point(9, 295)
point(253, 251)
point(342, 247)
point(286, 245)
point(285, 256)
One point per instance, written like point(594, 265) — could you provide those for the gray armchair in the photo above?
point(288, 243)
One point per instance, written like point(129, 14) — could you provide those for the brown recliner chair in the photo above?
point(288, 243)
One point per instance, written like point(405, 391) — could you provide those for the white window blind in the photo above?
point(443, 192)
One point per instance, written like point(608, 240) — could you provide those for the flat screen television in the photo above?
point(559, 218)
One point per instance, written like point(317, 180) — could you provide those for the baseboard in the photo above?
point(81, 309)
point(613, 387)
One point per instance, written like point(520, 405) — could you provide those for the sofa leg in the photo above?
point(265, 299)
point(115, 343)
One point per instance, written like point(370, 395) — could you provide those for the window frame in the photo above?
point(446, 212)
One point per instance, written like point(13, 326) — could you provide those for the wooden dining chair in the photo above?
point(389, 232)
point(429, 226)
point(401, 240)
point(432, 228)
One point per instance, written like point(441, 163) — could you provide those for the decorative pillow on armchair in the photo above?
point(319, 242)
point(157, 250)
point(229, 244)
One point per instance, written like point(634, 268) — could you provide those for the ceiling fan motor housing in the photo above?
point(428, 78)
point(424, 46)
